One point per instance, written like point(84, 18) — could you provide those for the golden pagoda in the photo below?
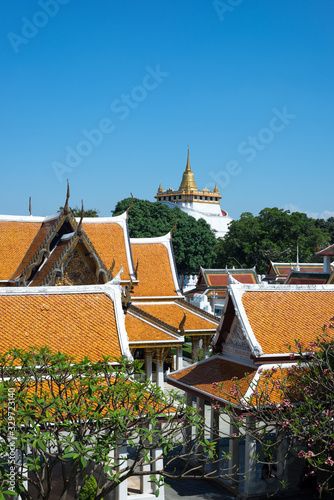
point(188, 180)
point(199, 204)
point(188, 192)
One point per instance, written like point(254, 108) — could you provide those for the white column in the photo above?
point(233, 445)
point(188, 429)
point(179, 358)
point(122, 488)
point(200, 406)
point(158, 465)
point(214, 424)
point(206, 343)
point(148, 363)
point(250, 461)
point(145, 485)
point(327, 264)
point(160, 370)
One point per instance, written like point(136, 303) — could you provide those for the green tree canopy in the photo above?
point(272, 235)
point(60, 414)
point(193, 240)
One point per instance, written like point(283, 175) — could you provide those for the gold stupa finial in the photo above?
point(188, 181)
point(188, 169)
point(160, 190)
point(216, 190)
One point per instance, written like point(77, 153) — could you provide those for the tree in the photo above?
point(298, 402)
point(193, 240)
point(76, 211)
point(60, 416)
point(327, 226)
point(272, 235)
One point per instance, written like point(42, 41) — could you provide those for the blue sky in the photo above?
point(110, 93)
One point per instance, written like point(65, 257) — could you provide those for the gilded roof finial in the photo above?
point(174, 225)
point(79, 228)
point(160, 190)
point(216, 190)
point(30, 205)
point(131, 204)
point(66, 207)
point(182, 323)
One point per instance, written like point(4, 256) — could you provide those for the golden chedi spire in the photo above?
point(160, 190)
point(188, 181)
point(216, 190)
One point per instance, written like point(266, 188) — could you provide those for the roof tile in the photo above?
point(78, 324)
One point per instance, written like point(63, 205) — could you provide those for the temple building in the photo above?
point(63, 251)
point(258, 322)
point(199, 204)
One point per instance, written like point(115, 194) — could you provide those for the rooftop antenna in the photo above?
point(297, 266)
point(30, 205)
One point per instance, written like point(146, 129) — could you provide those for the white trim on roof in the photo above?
point(22, 218)
point(236, 291)
point(118, 219)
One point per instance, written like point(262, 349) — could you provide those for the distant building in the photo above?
point(210, 290)
point(199, 204)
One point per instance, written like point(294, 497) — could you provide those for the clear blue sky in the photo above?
point(248, 84)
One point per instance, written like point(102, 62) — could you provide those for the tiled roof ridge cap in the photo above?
point(118, 219)
point(22, 218)
point(153, 319)
point(107, 289)
point(229, 270)
point(195, 309)
point(295, 263)
point(260, 287)
point(156, 239)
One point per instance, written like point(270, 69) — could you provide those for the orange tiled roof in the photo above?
point(278, 318)
point(173, 313)
point(108, 239)
point(140, 331)
point(202, 375)
point(154, 270)
point(15, 239)
point(77, 324)
point(36, 243)
point(218, 370)
point(221, 279)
